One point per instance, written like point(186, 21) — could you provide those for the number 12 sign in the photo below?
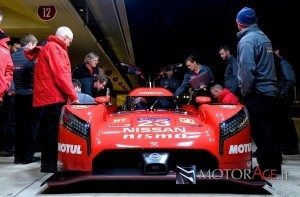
point(46, 12)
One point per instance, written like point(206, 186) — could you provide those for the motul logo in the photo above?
point(241, 148)
point(69, 148)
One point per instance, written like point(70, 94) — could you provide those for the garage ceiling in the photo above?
point(20, 16)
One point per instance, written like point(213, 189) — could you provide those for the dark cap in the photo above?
point(246, 16)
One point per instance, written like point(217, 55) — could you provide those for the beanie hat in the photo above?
point(246, 16)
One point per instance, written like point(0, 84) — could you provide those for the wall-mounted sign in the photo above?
point(46, 12)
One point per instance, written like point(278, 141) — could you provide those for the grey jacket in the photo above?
point(256, 72)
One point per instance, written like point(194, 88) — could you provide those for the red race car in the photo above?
point(152, 138)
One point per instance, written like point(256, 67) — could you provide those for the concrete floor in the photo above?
point(25, 180)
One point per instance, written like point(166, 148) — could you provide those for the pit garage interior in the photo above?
point(100, 26)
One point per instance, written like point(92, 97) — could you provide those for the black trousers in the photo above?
point(7, 124)
point(262, 116)
point(27, 121)
point(287, 130)
point(49, 135)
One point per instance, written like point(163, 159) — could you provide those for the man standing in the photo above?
point(26, 117)
point(286, 82)
point(6, 65)
point(52, 88)
point(231, 70)
point(6, 76)
point(195, 69)
point(86, 72)
point(257, 79)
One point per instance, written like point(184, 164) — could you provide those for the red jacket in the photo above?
point(52, 74)
point(227, 97)
point(6, 67)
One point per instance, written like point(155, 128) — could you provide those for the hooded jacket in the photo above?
point(6, 67)
point(52, 74)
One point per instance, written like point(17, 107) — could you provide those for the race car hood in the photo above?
point(160, 130)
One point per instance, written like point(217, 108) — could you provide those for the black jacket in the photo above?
point(82, 73)
point(230, 76)
point(23, 73)
point(285, 77)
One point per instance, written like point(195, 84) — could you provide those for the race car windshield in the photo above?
point(150, 103)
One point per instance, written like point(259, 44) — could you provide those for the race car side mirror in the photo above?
point(203, 99)
point(102, 99)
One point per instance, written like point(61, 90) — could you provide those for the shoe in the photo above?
point(5, 153)
point(290, 152)
point(17, 160)
point(34, 159)
point(48, 168)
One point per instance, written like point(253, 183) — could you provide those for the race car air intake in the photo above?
point(155, 163)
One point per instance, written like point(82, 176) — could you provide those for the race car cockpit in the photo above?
point(158, 99)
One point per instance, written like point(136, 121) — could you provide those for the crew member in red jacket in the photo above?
point(6, 65)
point(6, 77)
point(223, 95)
point(52, 89)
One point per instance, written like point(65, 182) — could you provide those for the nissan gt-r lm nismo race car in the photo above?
point(151, 138)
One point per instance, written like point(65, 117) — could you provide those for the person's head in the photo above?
point(13, 45)
point(77, 85)
point(245, 18)
point(140, 103)
point(28, 41)
point(191, 63)
point(1, 16)
point(100, 81)
point(169, 73)
point(101, 69)
point(65, 34)
point(91, 59)
point(216, 90)
point(224, 52)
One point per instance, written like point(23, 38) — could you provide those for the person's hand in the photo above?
point(11, 93)
point(75, 101)
point(203, 87)
point(277, 53)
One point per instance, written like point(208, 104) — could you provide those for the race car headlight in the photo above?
point(232, 126)
point(75, 124)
